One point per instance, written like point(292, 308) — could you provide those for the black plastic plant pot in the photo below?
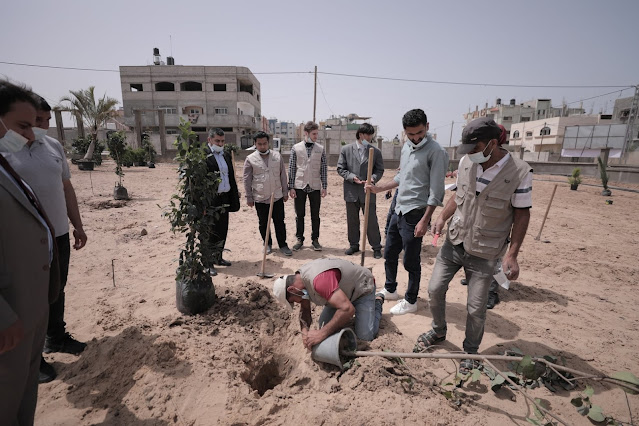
point(86, 165)
point(151, 165)
point(574, 186)
point(606, 193)
point(120, 193)
point(193, 297)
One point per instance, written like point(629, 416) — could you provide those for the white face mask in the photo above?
point(479, 157)
point(265, 152)
point(12, 141)
point(39, 133)
point(215, 148)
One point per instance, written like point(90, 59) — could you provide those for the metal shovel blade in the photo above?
point(265, 275)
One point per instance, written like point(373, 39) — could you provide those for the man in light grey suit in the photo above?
point(353, 167)
point(29, 274)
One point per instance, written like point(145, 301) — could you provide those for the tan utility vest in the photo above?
point(483, 222)
point(266, 179)
point(356, 281)
point(308, 168)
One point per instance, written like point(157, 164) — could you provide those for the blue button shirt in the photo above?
point(225, 185)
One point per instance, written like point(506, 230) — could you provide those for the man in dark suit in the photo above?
point(29, 273)
point(353, 167)
point(221, 164)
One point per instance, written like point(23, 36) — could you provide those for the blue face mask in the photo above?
point(365, 143)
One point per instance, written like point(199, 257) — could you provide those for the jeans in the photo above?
point(391, 210)
point(368, 313)
point(278, 221)
point(315, 200)
point(57, 327)
point(401, 235)
point(479, 273)
point(353, 224)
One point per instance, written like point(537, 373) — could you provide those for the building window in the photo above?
point(172, 131)
point(544, 131)
point(528, 134)
point(192, 110)
point(168, 109)
point(221, 111)
point(137, 88)
point(507, 118)
point(246, 87)
point(164, 86)
point(191, 86)
point(219, 87)
point(258, 97)
point(524, 119)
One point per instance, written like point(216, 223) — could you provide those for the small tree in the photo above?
point(116, 143)
point(603, 172)
point(575, 179)
point(149, 150)
point(94, 113)
point(192, 212)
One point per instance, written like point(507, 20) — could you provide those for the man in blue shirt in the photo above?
point(423, 166)
point(220, 163)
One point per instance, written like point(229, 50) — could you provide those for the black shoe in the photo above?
point(377, 254)
point(493, 299)
point(316, 245)
point(464, 281)
point(286, 251)
point(269, 249)
point(47, 372)
point(298, 245)
point(66, 344)
point(223, 262)
point(212, 272)
point(351, 250)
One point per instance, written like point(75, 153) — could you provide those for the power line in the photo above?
point(324, 96)
point(409, 80)
point(461, 83)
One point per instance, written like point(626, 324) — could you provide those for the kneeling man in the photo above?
point(345, 289)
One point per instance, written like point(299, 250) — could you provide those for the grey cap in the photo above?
point(480, 129)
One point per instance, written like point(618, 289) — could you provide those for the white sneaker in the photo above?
point(388, 295)
point(403, 307)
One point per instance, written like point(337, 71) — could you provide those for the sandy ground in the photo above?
point(243, 361)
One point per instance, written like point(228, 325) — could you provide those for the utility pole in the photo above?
point(450, 142)
point(632, 116)
point(315, 95)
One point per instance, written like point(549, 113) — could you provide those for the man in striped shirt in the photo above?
point(307, 178)
point(491, 205)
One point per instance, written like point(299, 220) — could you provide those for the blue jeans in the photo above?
point(368, 313)
point(479, 273)
point(401, 235)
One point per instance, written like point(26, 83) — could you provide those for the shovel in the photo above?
point(263, 274)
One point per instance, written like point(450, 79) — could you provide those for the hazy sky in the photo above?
point(497, 42)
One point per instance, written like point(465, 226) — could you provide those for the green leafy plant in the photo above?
point(116, 142)
point(149, 149)
point(228, 148)
point(192, 210)
point(94, 113)
point(575, 178)
point(603, 172)
point(138, 155)
point(585, 407)
point(80, 146)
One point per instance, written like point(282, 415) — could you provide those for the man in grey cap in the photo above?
point(492, 204)
point(343, 288)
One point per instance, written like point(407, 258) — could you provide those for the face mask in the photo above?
point(364, 142)
point(415, 146)
point(479, 157)
point(12, 141)
point(215, 148)
point(39, 133)
point(265, 152)
point(305, 294)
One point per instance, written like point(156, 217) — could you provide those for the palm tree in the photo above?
point(94, 114)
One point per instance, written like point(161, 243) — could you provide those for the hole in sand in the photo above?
point(264, 377)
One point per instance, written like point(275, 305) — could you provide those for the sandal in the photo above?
point(468, 365)
point(426, 340)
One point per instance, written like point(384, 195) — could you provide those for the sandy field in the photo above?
point(243, 363)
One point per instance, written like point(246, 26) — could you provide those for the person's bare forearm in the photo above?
point(72, 205)
point(518, 233)
point(381, 187)
point(449, 209)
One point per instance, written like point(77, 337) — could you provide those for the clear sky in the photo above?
point(576, 42)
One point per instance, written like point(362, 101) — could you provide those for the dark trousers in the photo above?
point(278, 221)
point(315, 200)
point(390, 212)
point(353, 223)
point(218, 235)
point(57, 327)
point(401, 235)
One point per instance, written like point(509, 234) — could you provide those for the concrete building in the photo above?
point(287, 131)
point(542, 140)
point(513, 113)
point(227, 97)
